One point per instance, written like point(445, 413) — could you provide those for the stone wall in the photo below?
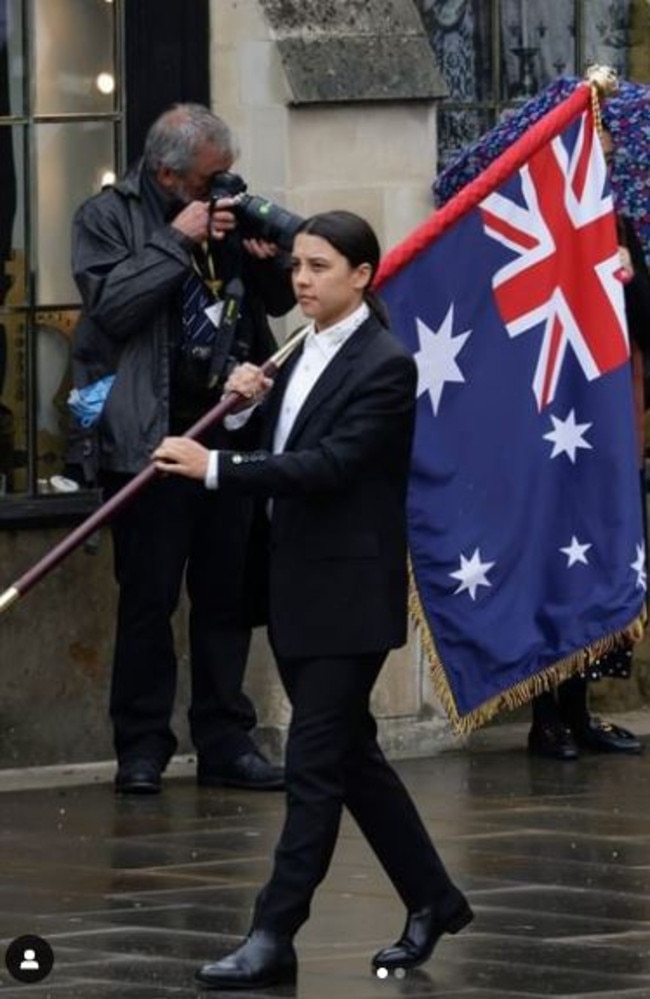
point(54, 655)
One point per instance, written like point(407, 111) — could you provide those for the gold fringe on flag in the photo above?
point(520, 693)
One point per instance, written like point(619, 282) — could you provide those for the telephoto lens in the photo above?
point(258, 217)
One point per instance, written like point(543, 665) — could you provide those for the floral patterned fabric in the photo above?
point(616, 665)
point(626, 115)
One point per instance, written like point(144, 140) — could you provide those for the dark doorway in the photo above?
point(167, 46)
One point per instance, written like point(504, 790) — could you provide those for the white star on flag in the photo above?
point(436, 358)
point(575, 552)
point(567, 436)
point(472, 573)
point(639, 567)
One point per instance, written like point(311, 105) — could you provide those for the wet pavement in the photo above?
point(132, 894)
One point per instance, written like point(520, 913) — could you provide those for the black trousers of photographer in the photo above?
point(175, 528)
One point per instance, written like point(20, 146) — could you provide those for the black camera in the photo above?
point(257, 217)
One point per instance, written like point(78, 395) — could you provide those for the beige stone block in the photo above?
point(262, 80)
point(263, 684)
point(56, 650)
point(431, 706)
point(398, 690)
point(365, 144)
point(266, 165)
point(405, 207)
point(239, 21)
point(363, 201)
point(392, 213)
point(408, 738)
point(224, 75)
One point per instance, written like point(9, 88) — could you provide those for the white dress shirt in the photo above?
point(318, 350)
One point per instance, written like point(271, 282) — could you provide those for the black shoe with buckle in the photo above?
point(603, 737)
point(251, 771)
point(422, 931)
point(139, 775)
point(552, 741)
point(264, 959)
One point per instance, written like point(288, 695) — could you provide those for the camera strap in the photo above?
point(222, 344)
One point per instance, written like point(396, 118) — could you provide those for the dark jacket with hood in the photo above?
point(130, 264)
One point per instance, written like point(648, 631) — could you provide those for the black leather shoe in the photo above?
point(604, 737)
point(251, 771)
point(264, 959)
point(140, 775)
point(552, 741)
point(422, 931)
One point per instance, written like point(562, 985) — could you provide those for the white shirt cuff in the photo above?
point(212, 473)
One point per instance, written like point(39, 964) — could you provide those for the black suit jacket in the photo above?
point(338, 556)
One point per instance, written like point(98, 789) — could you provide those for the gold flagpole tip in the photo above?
point(8, 598)
point(604, 78)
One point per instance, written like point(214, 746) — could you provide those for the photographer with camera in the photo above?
point(174, 295)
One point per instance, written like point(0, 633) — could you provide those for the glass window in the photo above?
point(13, 405)
point(62, 137)
point(462, 39)
point(59, 141)
point(52, 333)
point(71, 163)
point(13, 244)
point(606, 33)
point(538, 44)
point(12, 70)
point(458, 129)
point(494, 54)
point(74, 58)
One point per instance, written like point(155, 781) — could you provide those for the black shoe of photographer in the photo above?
point(250, 771)
point(420, 935)
point(139, 775)
point(604, 737)
point(552, 741)
point(264, 959)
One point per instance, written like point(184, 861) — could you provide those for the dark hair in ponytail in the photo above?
point(355, 239)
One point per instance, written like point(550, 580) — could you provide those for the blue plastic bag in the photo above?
point(86, 404)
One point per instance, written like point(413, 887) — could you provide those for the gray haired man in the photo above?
point(155, 260)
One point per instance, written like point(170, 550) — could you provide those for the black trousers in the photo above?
point(566, 704)
point(175, 527)
point(332, 760)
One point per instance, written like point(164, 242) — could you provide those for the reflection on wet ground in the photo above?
point(133, 894)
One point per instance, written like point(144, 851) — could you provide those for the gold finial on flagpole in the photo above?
point(604, 78)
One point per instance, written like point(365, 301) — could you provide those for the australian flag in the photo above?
point(525, 526)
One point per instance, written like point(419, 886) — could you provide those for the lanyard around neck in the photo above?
point(207, 273)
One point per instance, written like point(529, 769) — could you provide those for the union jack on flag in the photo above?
point(525, 528)
point(565, 271)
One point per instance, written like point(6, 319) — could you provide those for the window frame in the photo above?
point(31, 507)
point(185, 31)
point(493, 107)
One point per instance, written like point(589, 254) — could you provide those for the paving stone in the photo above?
point(133, 894)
